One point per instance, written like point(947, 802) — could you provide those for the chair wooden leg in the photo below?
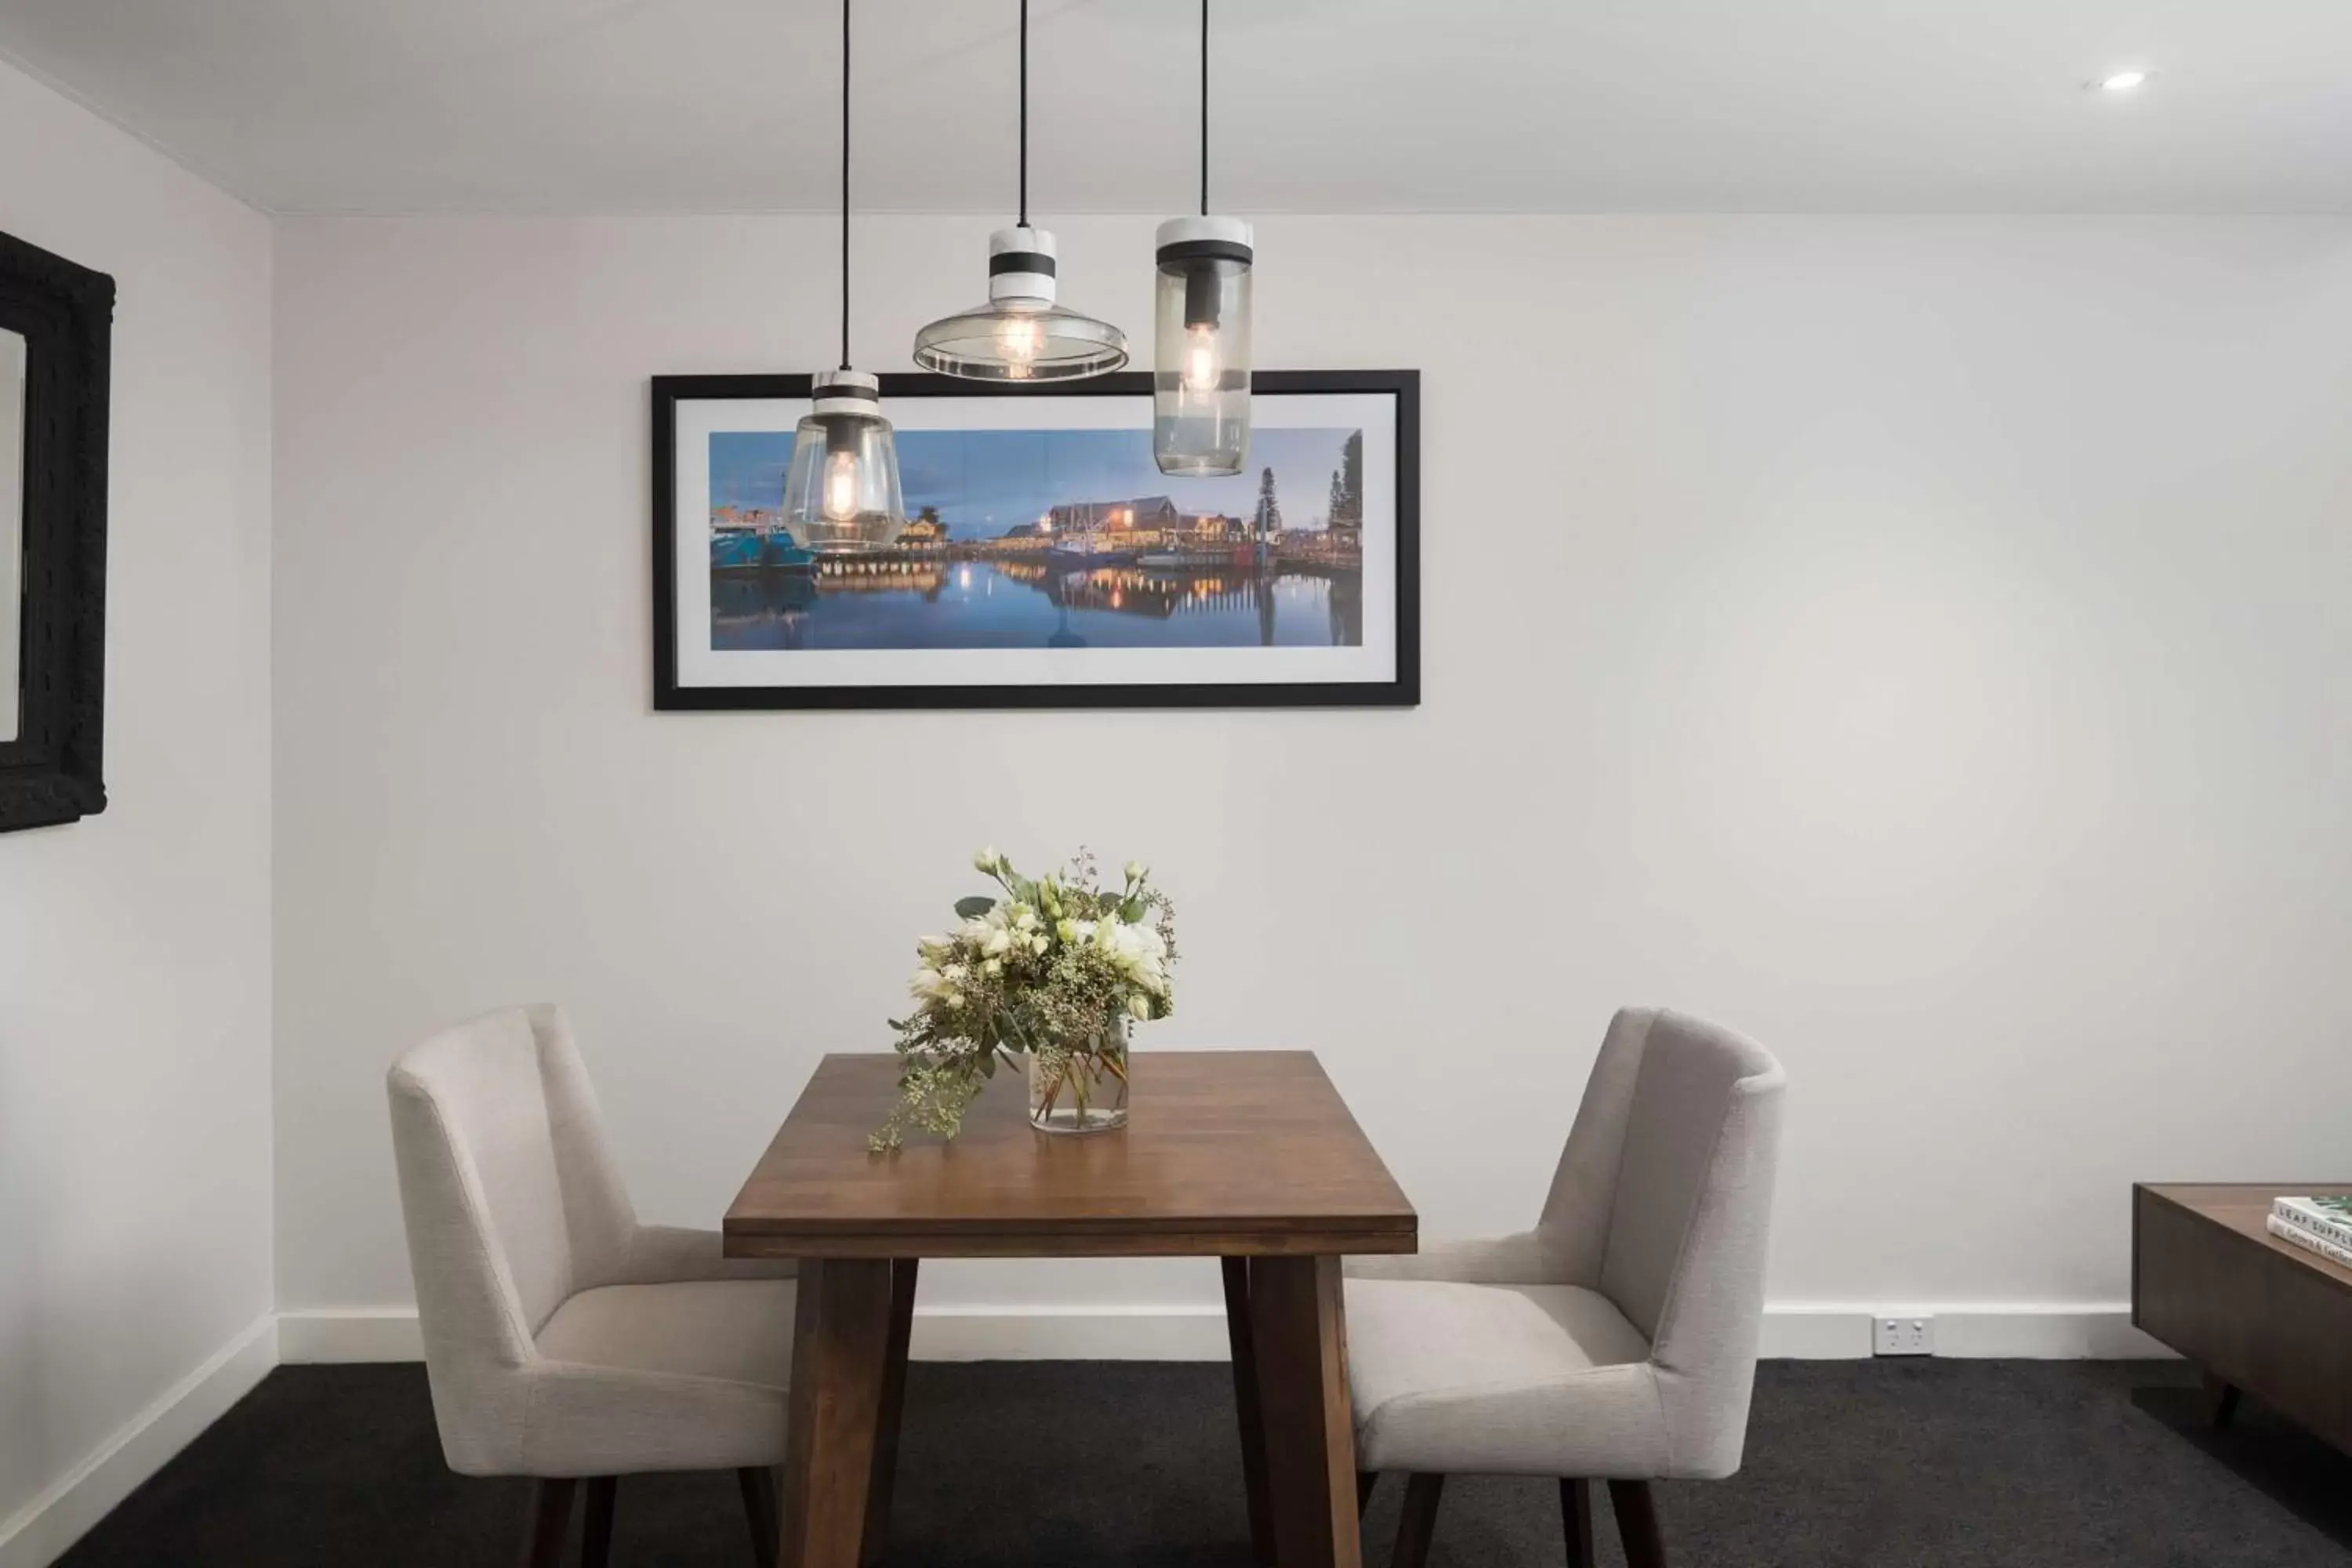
point(1637, 1524)
point(551, 1522)
point(1418, 1522)
point(597, 1528)
point(1365, 1481)
point(759, 1507)
point(1576, 1520)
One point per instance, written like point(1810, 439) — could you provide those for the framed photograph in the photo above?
point(1047, 561)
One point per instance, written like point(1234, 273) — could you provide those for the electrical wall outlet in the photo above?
point(1903, 1336)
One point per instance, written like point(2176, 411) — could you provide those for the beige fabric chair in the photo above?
point(1616, 1340)
point(563, 1339)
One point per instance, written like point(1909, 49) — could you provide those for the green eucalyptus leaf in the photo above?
point(1131, 912)
point(973, 907)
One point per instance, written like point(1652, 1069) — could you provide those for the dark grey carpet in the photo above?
point(1875, 1463)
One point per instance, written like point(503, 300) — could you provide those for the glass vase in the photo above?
point(1080, 1087)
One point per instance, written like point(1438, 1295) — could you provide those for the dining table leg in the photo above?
point(894, 1399)
point(841, 1361)
point(1299, 1333)
point(1245, 1406)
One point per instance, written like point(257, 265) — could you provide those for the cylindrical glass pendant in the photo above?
point(1201, 378)
point(841, 494)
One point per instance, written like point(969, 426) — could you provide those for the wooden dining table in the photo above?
point(1250, 1157)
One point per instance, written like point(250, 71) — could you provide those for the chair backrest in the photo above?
point(1661, 1203)
point(508, 1188)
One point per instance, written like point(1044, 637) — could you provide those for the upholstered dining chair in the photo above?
point(1614, 1342)
point(564, 1340)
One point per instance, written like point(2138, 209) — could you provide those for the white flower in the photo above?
point(953, 972)
point(952, 999)
point(1067, 929)
point(935, 947)
point(1136, 871)
point(976, 930)
point(1140, 1005)
point(997, 943)
point(1041, 944)
point(987, 860)
point(992, 968)
point(1023, 918)
point(925, 983)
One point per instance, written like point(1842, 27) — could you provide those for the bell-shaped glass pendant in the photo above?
point(1200, 383)
point(1021, 334)
point(841, 494)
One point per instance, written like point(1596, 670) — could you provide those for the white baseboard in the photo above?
point(330, 1334)
point(1792, 1330)
point(2045, 1333)
point(2004, 1331)
point(1069, 1333)
point(39, 1533)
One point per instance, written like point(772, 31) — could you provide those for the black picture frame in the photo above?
point(1401, 692)
point(50, 771)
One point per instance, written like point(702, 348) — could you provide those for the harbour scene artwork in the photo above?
point(1054, 539)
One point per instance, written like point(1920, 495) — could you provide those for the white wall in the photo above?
point(1918, 643)
point(135, 946)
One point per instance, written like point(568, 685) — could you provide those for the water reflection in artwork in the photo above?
point(972, 603)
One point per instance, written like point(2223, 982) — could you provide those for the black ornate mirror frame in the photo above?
point(49, 771)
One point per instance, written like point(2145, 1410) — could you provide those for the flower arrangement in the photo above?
point(1054, 971)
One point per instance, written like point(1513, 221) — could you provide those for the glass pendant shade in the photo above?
point(1019, 334)
point(841, 494)
point(1201, 380)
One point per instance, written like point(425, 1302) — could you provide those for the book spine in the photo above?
point(2285, 1231)
point(2318, 1224)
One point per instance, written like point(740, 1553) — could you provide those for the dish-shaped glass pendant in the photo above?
point(1021, 334)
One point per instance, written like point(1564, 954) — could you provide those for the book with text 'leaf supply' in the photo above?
point(2327, 1218)
point(2341, 1256)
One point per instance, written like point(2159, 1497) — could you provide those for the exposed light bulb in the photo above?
point(1020, 340)
point(841, 486)
point(1201, 371)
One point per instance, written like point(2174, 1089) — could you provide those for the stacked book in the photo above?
point(2322, 1225)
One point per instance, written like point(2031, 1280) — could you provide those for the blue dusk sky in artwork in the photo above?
point(987, 481)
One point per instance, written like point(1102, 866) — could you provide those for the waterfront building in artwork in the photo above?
point(926, 530)
point(1148, 514)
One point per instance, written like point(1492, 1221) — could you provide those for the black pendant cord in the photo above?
point(1205, 107)
point(1024, 113)
point(845, 184)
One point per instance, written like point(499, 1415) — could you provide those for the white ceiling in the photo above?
point(1322, 105)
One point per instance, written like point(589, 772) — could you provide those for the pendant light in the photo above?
point(841, 494)
point(1021, 334)
point(1201, 380)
